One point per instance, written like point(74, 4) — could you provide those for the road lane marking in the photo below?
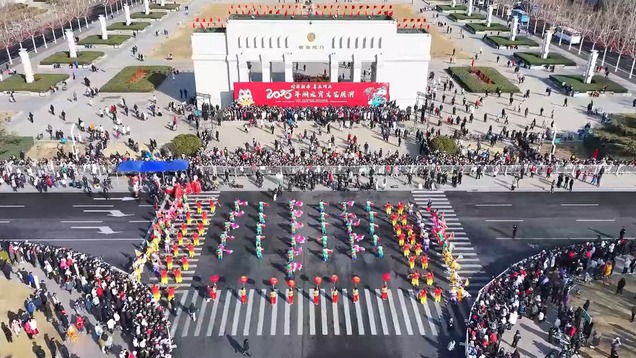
point(554, 238)
point(300, 299)
point(272, 327)
point(226, 309)
point(441, 320)
point(81, 221)
point(493, 205)
point(12, 206)
point(312, 314)
point(416, 310)
point(261, 313)
point(197, 329)
point(175, 324)
point(248, 316)
point(579, 204)
point(146, 206)
point(78, 240)
point(323, 312)
point(405, 312)
point(336, 319)
point(139, 221)
point(215, 307)
point(93, 206)
point(188, 321)
point(237, 315)
point(345, 302)
point(287, 327)
point(385, 326)
point(595, 220)
point(504, 220)
point(4, 221)
point(394, 315)
point(367, 294)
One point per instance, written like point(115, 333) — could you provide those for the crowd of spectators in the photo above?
point(529, 287)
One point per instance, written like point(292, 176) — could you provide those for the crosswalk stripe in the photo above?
point(347, 313)
point(301, 299)
point(451, 312)
point(385, 327)
point(188, 321)
point(367, 295)
point(394, 316)
point(312, 314)
point(248, 316)
point(261, 314)
point(287, 325)
point(226, 307)
point(237, 315)
point(416, 311)
point(405, 314)
point(272, 328)
point(442, 322)
point(215, 308)
point(175, 323)
point(429, 318)
point(197, 329)
point(323, 312)
point(336, 319)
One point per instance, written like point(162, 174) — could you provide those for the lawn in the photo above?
point(615, 138)
point(154, 15)
point(13, 145)
point(165, 7)
point(83, 58)
point(598, 83)
point(42, 82)
point(472, 83)
point(134, 26)
point(114, 40)
point(534, 59)
point(464, 17)
point(519, 41)
point(449, 8)
point(482, 27)
point(137, 79)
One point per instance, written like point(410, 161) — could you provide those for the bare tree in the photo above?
point(631, 50)
point(626, 26)
point(5, 34)
point(31, 26)
point(62, 16)
point(582, 21)
point(604, 28)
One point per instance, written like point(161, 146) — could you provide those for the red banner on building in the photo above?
point(320, 94)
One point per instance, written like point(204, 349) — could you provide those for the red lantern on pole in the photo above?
point(386, 277)
point(273, 281)
point(334, 279)
point(355, 280)
point(214, 278)
point(317, 280)
point(291, 283)
point(243, 280)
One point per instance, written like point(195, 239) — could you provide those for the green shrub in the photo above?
point(444, 144)
point(471, 83)
point(185, 144)
point(598, 83)
point(535, 59)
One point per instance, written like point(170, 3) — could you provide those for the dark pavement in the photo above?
point(110, 229)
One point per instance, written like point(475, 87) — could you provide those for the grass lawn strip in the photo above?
point(13, 146)
point(519, 41)
point(42, 83)
point(460, 17)
point(83, 58)
point(154, 15)
point(472, 83)
point(137, 79)
point(451, 8)
point(597, 84)
point(534, 59)
point(134, 26)
point(97, 40)
point(493, 27)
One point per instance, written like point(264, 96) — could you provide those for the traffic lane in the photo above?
point(72, 229)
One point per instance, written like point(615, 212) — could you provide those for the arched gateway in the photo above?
point(255, 59)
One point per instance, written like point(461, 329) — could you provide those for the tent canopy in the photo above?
point(152, 166)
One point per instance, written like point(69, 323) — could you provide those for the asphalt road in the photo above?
point(110, 229)
point(543, 220)
point(375, 329)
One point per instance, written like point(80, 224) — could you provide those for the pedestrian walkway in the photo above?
point(401, 314)
point(204, 200)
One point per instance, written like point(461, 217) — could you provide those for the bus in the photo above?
point(524, 19)
point(569, 35)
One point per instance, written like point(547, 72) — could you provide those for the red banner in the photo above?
point(319, 94)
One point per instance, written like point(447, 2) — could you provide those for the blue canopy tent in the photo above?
point(152, 166)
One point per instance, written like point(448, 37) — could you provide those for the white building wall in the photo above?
point(219, 58)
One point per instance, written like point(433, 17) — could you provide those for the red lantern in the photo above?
point(355, 280)
point(273, 281)
point(243, 280)
point(291, 283)
point(317, 280)
point(214, 278)
point(334, 278)
point(386, 276)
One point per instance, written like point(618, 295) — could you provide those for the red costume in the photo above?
point(290, 296)
point(212, 292)
point(355, 296)
point(272, 297)
point(316, 296)
point(334, 295)
point(243, 295)
point(385, 292)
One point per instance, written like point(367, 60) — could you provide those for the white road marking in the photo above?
point(385, 326)
point(215, 307)
point(261, 313)
point(416, 310)
point(272, 327)
point(394, 315)
point(323, 312)
point(197, 329)
point(504, 220)
point(579, 204)
point(83, 239)
point(93, 206)
point(12, 206)
point(139, 221)
point(405, 312)
point(442, 321)
point(345, 302)
point(186, 327)
point(248, 316)
point(81, 221)
point(5, 221)
point(312, 314)
point(146, 206)
point(367, 294)
point(493, 205)
point(300, 300)
point(550, 238)
point(595, 220)
point(175, 324)
point(336, 319)
point(287, 320)
point(226, 308)
point(237, 315)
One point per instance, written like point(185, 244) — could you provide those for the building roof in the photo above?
point(311, 17)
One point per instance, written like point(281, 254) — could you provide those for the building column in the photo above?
point(469, 10)
point(266, 69)
point(356, 70)
point(333, 67)
point(379, 69)
point(513, 29)
point(243, 71)
point(546, 43)
point(589, 69)
point(289, 70)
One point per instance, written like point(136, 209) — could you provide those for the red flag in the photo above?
point(270, 12)
point(202, 26)
point(368, 7)
point(218, 19)
point(382, 7)
point(412, 20)
point(331, 7)
point(197, 20)
point(277, 12)
point(345, 7)
point(375, 6)
point(242, 12)
point(358, 13)
point(285, 12)
point(419, 20)
point(246, 6)
point(193, 25)
point(391, 7)
point(423, 20)
point(257, 13)
point(231, 6)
